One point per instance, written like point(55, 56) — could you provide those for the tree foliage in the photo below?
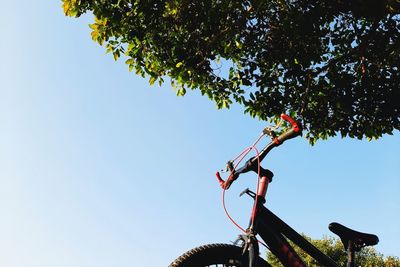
point(333, 64)
point(367, 257)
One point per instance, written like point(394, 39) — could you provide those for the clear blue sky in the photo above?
point(97, 168)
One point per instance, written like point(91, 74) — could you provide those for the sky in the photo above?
point(97, 168)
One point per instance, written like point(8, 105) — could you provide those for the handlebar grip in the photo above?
point(294, 124)
point(225, 184)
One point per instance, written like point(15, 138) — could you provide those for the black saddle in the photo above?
point(352, 239)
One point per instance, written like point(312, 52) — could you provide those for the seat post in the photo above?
point(350, 254)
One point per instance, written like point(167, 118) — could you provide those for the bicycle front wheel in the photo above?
point(217, 255)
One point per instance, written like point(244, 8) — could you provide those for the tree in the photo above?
point(332, 64)
point(367, 257)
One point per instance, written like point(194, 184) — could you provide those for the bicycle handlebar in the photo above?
point(252, 163)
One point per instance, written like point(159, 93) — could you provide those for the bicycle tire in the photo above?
point(217, 255)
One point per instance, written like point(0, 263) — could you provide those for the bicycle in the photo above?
point(272, 230)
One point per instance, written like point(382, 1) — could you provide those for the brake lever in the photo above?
point(270, 131)
point(229, 168)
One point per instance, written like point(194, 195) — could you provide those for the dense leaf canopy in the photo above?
point(332, 64)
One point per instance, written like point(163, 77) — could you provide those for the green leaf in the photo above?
point(116, 54)
point(238, 45)
point(181, 92)
point(152, 80)
point(160, 81)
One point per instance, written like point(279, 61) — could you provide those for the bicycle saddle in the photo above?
point(348, 236)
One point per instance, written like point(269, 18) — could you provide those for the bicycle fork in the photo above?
point(250, 247)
